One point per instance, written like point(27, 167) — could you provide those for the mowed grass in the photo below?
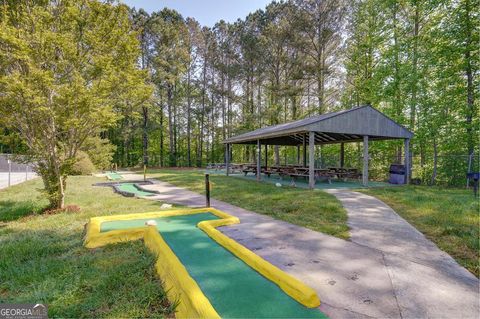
point(315, 210)
point(448, 217)
point(43, 259)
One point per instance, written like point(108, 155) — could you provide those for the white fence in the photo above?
point(12, 171)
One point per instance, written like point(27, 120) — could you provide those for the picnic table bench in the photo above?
point(342, 172)
point(249, 169)
point(216, 166)
point(297, 171)
point(318, 173)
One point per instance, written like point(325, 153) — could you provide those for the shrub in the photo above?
point(83, 165)
point(100, 152)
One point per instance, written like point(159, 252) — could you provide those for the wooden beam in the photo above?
point(328, 137)
point(346, 137)
point(266, 156)
point(365, 160)
point(311, 160)
point(321, 138)
point(407, 160)
point(227, 158)
point(342, 154)
point(259, 160)
point(304, 150)
point(298, 138)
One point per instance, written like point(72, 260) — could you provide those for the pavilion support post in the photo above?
point(304, 150)
point(227, 158)
point(298, 154)
point(342, 155)
point(266, 156)
point(406, 161)
point(259, 160)
point(311, 160)
point(365, 161)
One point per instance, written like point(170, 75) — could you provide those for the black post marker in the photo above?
point(207, 189)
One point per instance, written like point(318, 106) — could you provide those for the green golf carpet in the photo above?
point(234, 289)
point(132, 188)
point(114, 176)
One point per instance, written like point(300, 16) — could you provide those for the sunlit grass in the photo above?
point(43, 259)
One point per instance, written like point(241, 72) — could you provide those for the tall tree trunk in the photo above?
point(145, 135)
point(229, 107)
point(175, 128)
point(319, 69)
point(171, 146)
point(202, 116)
point(396, 87)
point(435, 156)
point(224, 112)
point(189, 120)
point(212, 128)
point(469, 75)
point(413, 105)
point(162, 162)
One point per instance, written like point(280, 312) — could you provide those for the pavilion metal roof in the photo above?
point(344, 126)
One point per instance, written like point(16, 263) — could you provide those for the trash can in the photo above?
point(397, 174)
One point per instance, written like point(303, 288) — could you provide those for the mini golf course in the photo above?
point(114, 176)
point(132, 188)
point(232, 287)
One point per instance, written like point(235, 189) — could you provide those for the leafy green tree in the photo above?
point(170, 59)
point(64, 67)
point(100, 151)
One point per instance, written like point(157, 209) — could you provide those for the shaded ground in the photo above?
point(303, 183)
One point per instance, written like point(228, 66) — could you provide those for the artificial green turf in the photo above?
point(114, 176)
point(132, 188)
point(234, 289)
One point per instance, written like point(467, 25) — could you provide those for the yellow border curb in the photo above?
point(182, 287)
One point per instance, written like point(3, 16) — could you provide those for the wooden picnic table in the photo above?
point(297, 171)
point(343, 172)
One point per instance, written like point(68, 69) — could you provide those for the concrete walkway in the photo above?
point(417, 267)
point(381, 273)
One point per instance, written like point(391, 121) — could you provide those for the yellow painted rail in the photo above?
point(180, 285)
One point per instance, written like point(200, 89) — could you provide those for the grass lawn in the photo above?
point(448, 217)
point(43, 259)
point(316, 210)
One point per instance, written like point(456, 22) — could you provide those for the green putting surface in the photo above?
point(114, 176)
point(132, 188)
point(234, 289)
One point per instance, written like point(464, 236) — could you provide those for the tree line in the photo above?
point(416, 61)
point(162, 90)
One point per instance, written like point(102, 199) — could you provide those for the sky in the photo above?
point(207, 12)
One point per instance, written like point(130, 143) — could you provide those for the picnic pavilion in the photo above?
point(363, 123)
